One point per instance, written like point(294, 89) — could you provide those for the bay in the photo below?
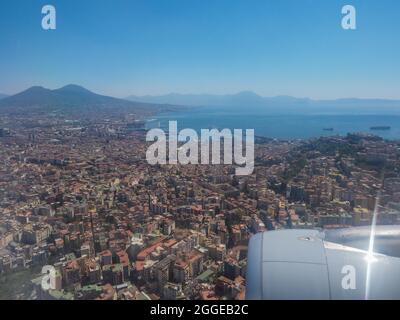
point(279, 125)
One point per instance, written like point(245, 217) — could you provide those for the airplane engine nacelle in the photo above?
point(315, 265)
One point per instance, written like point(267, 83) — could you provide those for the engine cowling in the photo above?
point(322, 265)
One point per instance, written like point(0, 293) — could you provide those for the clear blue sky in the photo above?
point(280, 47)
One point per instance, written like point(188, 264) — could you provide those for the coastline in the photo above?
point(279, 127)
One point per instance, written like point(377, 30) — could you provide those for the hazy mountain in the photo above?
point(244, 98)
point(248, 99)
point(201, 99)
point(2, 96)
point(70, 97)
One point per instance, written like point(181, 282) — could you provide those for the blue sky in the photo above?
point(280, 47)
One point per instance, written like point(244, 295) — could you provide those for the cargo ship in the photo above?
point(381, 128)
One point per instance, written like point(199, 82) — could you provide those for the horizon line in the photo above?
point(125, 97)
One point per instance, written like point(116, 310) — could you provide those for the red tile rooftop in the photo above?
point(169, 243)
point(181, 264)
point(241, 295)
point(240, 280)
point(194, 257)
point(123, 258)
point(139, 265)
point(146, 252)
point(73, 264)
point(208, 295)
point(106, 253)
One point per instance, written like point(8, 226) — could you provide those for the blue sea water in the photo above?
point(279, 126)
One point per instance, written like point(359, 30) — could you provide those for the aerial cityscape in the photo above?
point(78, 194)
point(84, 213)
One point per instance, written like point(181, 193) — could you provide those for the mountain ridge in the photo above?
point(70, 97)
point(250, 98)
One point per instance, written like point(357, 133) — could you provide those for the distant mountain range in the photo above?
point(74, 97)
point(242, 98)
point(2, 96)
point(248, 99)
point(71, 97)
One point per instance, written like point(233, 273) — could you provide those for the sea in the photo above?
point(284, 126)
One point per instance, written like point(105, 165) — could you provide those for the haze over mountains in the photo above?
point(71, 97)
point(74, 97)
point(2, 96)
point(242, 98)
point(248, 99)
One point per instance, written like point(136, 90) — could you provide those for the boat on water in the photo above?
point(381, 128)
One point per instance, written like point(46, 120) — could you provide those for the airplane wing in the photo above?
point(324, 265)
